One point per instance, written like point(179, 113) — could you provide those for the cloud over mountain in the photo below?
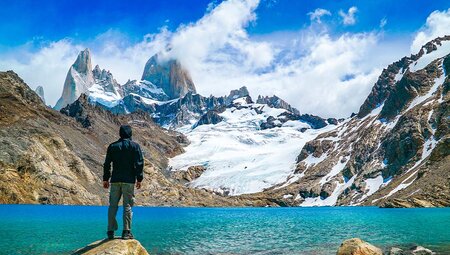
point(437, 24)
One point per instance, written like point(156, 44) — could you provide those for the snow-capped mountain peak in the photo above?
point(98, 83)
point(169, 75)
point(78, 80)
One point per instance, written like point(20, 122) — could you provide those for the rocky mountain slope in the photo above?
point(394, 152)
point(56, 158)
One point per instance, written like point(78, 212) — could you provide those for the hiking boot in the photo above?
point(110, 235)
point(126, 234)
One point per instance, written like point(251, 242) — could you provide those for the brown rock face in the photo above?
point(168, 75)
point(357, 246)
point(115, 246)
point(192, 173)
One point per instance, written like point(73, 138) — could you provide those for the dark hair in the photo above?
point(125, 131)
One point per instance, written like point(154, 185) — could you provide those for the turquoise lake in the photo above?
point(39, 229)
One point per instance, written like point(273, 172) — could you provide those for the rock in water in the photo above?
point(414, 250)
point(356, 246)
point(115, 246)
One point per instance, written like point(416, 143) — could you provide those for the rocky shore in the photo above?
point(115, 246)
point(354, 246)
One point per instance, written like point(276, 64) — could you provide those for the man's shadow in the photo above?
point(93, 246)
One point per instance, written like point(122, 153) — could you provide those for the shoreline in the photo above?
point(237, 207)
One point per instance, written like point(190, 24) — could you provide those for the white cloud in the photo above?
point(47, 67)
point(113, 52)
point(437, 24)
point(349, 17)
point(313, 82)
point(220, 36)
point(383, 22)
point(317, 14)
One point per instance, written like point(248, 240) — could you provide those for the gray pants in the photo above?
point(117, 190)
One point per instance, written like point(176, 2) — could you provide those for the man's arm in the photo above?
point(139, 165)
point(107, 166)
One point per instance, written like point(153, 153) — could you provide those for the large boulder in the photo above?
point(356, 246)
point(115, 246)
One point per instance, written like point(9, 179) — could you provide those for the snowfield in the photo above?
point(239, 157)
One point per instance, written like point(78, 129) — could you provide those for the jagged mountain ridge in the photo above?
point(395, 152)
point(166, 92)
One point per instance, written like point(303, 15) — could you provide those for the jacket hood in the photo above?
point(125, 132)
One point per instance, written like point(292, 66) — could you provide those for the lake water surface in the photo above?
point(39, 229)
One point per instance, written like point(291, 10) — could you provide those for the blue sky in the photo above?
point(25, 21)
point(272, 46)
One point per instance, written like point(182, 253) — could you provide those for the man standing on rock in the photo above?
point(128, 165)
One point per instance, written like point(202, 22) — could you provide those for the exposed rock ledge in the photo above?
point(115, 246)
point(356, 246)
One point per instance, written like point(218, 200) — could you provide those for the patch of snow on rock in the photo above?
point(426, 59)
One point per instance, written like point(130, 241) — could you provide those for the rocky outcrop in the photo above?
point(169, 75)
point(313, 121)
point(144, 89)
point(186, 110)
point(189, 175)
point(78, 80)
point(115, 246)
point(106, 82)
point(210, 117)
point(276, 102)
point(40, 92)
point(357, 246)
point(237, 93)
point(414, 250)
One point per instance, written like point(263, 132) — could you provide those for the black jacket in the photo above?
point(127, 160)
